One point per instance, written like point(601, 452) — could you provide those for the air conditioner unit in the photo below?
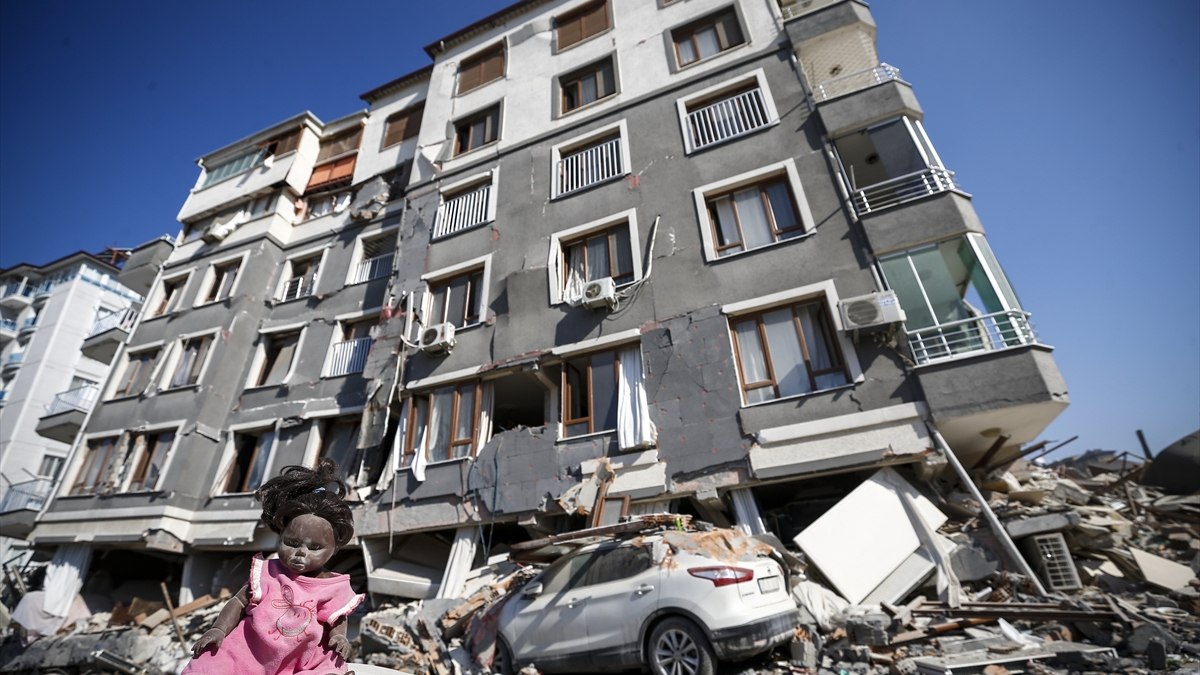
point(600, 293)
point(871, 311)
point(437, 339)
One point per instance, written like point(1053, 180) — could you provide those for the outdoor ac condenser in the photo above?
point(438, 338)
point(601, 293)
point(871, 311)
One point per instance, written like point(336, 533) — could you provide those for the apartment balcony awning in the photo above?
point(20, 506)
point(67, 412)
point(108, 333)
point(138, 530)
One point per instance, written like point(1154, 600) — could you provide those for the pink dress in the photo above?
point(283, 630)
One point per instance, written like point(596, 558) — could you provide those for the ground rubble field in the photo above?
point(1114, 590)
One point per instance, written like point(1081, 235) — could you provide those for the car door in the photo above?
point(548, 627)
point(619, 590)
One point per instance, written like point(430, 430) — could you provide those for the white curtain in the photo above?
point(487, 400)
point(64, 577)
point(462, 554)
point(787, 357)
point(576, 275)
point(745, 510)
point(419, 459)
point(634, 427)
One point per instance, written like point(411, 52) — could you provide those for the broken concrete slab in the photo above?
point(1161, 572)
point(1050, 522)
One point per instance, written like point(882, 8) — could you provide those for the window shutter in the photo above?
point(493, 66)
point(595, 20)
point(569, 32)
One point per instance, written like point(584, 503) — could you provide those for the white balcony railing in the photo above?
point(463, 211)
point(902, 189)
point(373, 268)
point(349, 356)
point(302, 287)
point(123, 319)
point(793, 9)
point(590, 166)
point(988, 332)
point(848, 84)
point(28, 495)
point(79, 398)
point(728, 118)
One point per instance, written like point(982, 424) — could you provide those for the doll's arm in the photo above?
point(338, 641)
point(230, 616)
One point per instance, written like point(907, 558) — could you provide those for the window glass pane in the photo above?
point(259, 470)
point(438, 304)
point(822, 354)
point(707, 42)
point(474, 304)
point(597, 257)
point(754, 364)
point(753, 217)
point(441, 425)
point(339, 444)
point(940, 283)
point(895, 149)
point(457, 303)
point(727, 232)
point(158, 459)
point(616, 564)
point(1005, 289)
point(686, 53)
point(576, 390)
point(588, 86)
point(604, 391)
point(787, 357)
point(624, 268)
point(781, 207)
point(466, 413)
point(900, 278)
point(565, 573)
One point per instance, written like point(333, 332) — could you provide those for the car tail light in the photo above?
point(723, 575)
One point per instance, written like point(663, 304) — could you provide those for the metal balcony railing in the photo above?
point(123, 319)
point(302, 287)
point(796, 8)
point(590, 166)
point(463, 211)
point(848, 84)
point(988, 332)
point(349, 356)
point(728, 118)
point(902, 189)
point(28, 495)
point(79, 398)
point(379, 266)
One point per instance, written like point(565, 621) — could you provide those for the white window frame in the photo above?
point(229, 455)
point(757, 76)
point(209, 278)
point(463, 186)
point(485, 292)
point(156, 297)
point(824, 290)
point(316, 420)
point(336, 334)
point(556, 263)
point(288, 271)
point(357, 258)
point(558, 150)
point(111, 394)
point(707, 228)
point(127, 471)
point(173, 353)
point(260, 354)
point(78, 458)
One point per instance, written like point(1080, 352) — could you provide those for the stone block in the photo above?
point(1050, 522)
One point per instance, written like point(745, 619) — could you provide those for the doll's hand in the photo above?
point(211, 638)
point(341, 645)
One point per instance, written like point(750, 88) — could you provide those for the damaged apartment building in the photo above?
point(600, 258)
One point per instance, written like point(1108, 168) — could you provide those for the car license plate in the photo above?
point(769, 584)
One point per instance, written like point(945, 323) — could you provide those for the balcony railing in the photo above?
point(590, 166)
point(988, 332)
point(79, 398)
point(349, 356)
point(8, 324)
point(728, 118)
point(18, 288)
point(848, 84)
point(123, 319)
point(463, 211)
point(14, 360)
point(797, 8)
point(28, 495)
point(302, 287)
point(902, 189)
point(379, 266)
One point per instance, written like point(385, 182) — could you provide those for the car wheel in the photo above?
point(678, 647)
point(502, 662)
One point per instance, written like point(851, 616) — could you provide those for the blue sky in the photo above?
point(1076, 126)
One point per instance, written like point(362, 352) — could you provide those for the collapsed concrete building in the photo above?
point(600, 258)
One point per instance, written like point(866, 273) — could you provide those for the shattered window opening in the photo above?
point(170, 295)
point(138, 368)
point(223, 278)
point(278, 351)
point(520, 401)
point(249, 466)
point(150, 455)
point(95, 467)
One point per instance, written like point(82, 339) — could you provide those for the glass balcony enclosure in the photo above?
point(891, 163)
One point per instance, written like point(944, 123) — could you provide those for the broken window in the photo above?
point(283, 143)
point(786, 351)
point(300, 280)
point(220, 286)
point(481, 68)
point(520, 401)
point(138, 369)
point(403, 125)
point(587, 85)
point(707, 37)
point(191, 361)
point(477, 130)
point(457, 299)
point(753, 216)
point(170, 295)
point(339, 442)
point(278, 351)
point(444, 423)
point(97, 461)
point(149, 457)
point(581, 24)
point(349, 353)
point(252, 452)
point(323, 205)
point(890, 163)
point(604, 253)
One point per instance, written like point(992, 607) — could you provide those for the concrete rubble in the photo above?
point(935, 585)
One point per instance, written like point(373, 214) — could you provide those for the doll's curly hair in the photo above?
point(299, 490)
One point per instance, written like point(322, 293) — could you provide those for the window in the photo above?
point(283, 143)
point(278, 350)
point(149, 457)
point(477, 130)
point(581, 24)
point(335, 159)
point(138, 369)
point(443, 423)
point(191, 361)
point(376, 254)
point(956, 299)
point(587, 85)
point(300, 280)
point(170, 295)
point(51, 467)
point(351, 346)
point(707, 37)
point(753, 210)
point(583, 162)
point(94, 471)
point(590, 393)
point(786, 351)
point(606, 253)
point(252, 453)
point(403, 125)
point(220, 284)
point(615, 564)
point(457, 299)
point(478, 70)
point(466, 204)
point(339, 442)
point(233, 167)
point(726, 112)
point(323, 205)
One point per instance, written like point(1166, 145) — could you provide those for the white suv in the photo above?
point(674, 601)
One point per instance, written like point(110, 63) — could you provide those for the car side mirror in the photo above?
point(532, 590)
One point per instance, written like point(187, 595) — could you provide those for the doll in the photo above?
point(291, 618)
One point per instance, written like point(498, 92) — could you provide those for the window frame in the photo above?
point(578, 144)
point(259, 365)
point(487, 114)
point(289, 273)
point(88, 460)
point(483, 265)
point(579, 14)
point(360, 244)
point(209, 284)
point(412, 116)
point(566, 390)
point(140, 459)
point(342, 324)
point(174, 359)
point(479, 60)
point(165, 305)
point(410, 413)
point(695, 26)
point(229, 459)
point(459, 188)
point(556, 264)
point(721, 91)
point(121, 385)
point(577, 75)
point(760, 176)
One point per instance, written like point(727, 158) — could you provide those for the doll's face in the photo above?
point(306, 544)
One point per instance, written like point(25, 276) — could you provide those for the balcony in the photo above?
point(8, 330)
point(349, 356)
point(21, 504)
point(985, 333)
point(590, 166)
point(727, 119)
point(848, 84)
point(16, 295)
point(12, 362)
point(379, 266)
point(65, 414)
point(28, 326)
point(108, 333)
point(299, 287)
point(895, 191)
point(463, 211)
